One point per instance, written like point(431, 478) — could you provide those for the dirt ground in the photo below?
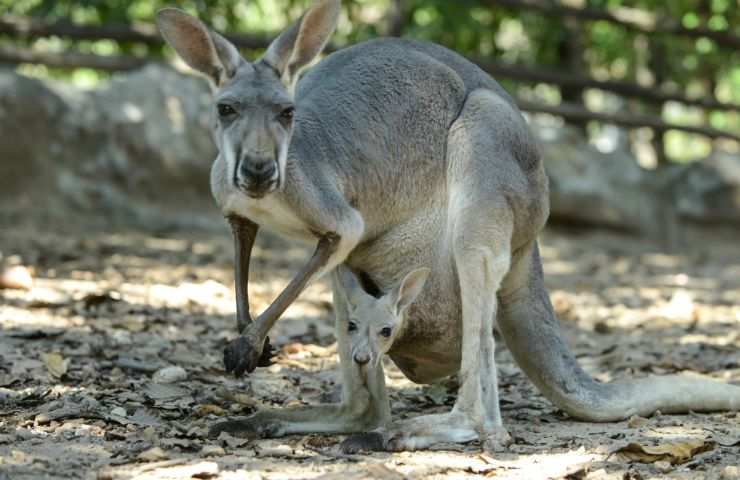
point(80, 352)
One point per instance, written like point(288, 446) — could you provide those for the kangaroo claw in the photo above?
point(240, 356)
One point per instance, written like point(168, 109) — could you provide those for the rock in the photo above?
point(709, 191)
point(144, 135)
point(153, 455)
point(591, 187)
point(663, 466)
point(212, 451)
point(17, 277)
point(170, 375)
point(29, 111)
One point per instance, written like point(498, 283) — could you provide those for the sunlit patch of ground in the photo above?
point(118, 307)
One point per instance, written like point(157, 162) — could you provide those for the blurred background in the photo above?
point(636, 101)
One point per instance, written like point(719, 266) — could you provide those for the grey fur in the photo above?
point(403, 154)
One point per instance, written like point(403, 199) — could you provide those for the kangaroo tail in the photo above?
point(532, 333)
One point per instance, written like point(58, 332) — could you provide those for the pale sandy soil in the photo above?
point(116, 307)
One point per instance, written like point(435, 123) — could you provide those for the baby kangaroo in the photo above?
point(373, 326)
point(379, 325)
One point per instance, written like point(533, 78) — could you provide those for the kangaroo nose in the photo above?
point(361, 358)
point(258, 170)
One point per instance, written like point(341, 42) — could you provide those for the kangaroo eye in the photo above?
point(351, 327)
point(386, 332)
point(225, 110)
point(286, 116)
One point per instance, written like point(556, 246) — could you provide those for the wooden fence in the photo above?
point(572, 108)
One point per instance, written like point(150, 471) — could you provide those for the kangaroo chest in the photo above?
point(272, 213)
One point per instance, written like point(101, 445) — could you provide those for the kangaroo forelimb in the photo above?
point(244, 232)
point(248, 351)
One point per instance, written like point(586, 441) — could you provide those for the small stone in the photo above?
point(636, 421)
point(212, 451)
point(730, 473)
point(119, 412)
point(663, 466)
point(170, 375)
point(149, 434)
point(153, 455)
point(42, 419)
point(17, 277)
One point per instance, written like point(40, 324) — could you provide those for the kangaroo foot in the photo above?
point(363, 442)
point(422, 432)
point(495, 440)
point(252, 427)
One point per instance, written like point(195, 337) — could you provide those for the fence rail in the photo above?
point(632, 19)
point(33, 28)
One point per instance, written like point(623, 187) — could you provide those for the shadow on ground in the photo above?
point(109, 309)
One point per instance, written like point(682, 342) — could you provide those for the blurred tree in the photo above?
point(641, 41)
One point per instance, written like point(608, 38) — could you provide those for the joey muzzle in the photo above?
point(361, 358)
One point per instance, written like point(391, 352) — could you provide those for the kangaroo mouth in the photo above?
point(260, 190)
point(258, 186)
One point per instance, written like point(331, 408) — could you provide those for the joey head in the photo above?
point(375, 323)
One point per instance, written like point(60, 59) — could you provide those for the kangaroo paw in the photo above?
point(241, 356)
point(268, 353)
point(253, 427)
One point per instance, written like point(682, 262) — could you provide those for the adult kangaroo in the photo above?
point(394, 155)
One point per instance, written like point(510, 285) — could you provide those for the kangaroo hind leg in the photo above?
point(479, 228)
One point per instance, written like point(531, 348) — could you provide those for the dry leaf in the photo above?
point(56, 365)
point(209, 409)
point(636, 421)
point(153, 455)
point(164, 392)
point(212, 451)
point(675, 453)
point(232, 442)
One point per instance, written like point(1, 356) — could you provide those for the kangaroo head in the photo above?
point(375, 323)
point(253, 101)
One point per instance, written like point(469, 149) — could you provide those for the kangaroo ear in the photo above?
point(348, 284)
point(409, 288)
point(297, 46)
point(204, 50)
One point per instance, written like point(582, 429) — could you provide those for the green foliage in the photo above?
point(476, 28)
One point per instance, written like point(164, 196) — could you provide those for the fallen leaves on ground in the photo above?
point(80, 395)
point(673, 452)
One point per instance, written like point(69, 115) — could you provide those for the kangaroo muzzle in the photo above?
point(258, 175)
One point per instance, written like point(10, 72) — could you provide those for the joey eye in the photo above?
point(225, 110)
point(351, 327)
point(386, 332)
point(286, 116)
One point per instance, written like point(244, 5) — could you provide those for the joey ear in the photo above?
point(297, 46)
point(410, 288)
point(204, 50)
point(348, 284)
